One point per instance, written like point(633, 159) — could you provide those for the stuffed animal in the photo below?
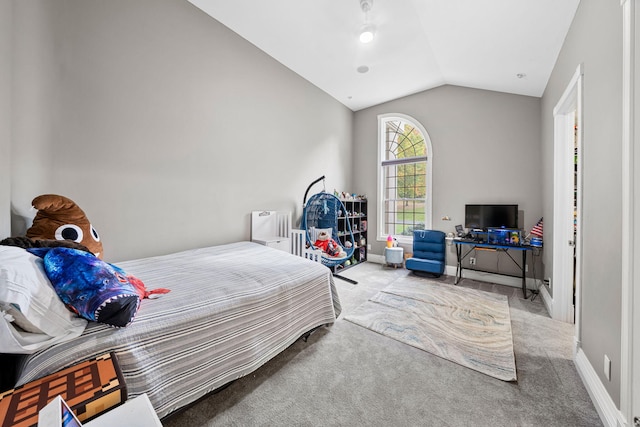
point(329, 246)
point(92, 288)
point(60, 218)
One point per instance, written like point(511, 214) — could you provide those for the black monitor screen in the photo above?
point(491, 216)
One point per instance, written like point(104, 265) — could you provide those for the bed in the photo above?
point(231, 309)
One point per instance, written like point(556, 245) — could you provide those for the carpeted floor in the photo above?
point(467, 326)
point(346, 375)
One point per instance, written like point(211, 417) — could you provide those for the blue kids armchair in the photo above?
point(429, 254)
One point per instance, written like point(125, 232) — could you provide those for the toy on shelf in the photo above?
point(343, 195)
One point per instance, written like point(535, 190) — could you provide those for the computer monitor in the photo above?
point(481, 217)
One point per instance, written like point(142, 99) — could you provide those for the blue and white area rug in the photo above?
point(466, 326)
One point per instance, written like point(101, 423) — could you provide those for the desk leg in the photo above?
point(459, 266)
point(524, 276)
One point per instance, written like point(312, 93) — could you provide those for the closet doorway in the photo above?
point(567, 242)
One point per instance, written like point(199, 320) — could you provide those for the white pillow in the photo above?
point(28, 298)
point(14, 340)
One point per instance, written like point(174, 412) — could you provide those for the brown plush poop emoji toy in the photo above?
point(59, 218)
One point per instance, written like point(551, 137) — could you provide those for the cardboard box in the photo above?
point(90, 388)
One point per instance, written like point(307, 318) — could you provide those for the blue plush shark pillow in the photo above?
point(94, 289)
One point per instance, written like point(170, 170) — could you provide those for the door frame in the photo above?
point(567, 111)
point(630, 319)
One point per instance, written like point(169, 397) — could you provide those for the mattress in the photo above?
point(231, 309)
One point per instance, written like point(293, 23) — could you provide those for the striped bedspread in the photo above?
point(231, 308)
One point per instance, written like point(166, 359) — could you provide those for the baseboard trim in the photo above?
point(482, 276)
point(547, 300)
point(609, 414)
point(378, 259)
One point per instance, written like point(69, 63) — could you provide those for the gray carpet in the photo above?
point(346, 375)
point(467, 326)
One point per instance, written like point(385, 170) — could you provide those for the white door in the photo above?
point(567, 204)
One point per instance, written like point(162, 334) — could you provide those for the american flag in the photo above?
point(537, 229)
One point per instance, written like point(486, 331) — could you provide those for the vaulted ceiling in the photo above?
point(501, 45)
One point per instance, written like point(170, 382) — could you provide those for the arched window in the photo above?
point(404, 177)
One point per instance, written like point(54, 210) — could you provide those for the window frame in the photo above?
point(428, 209)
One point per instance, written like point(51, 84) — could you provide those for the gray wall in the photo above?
point(167, 128)
point(5, 116)
point(486, 149)
point(33, 106)
point(595, 40)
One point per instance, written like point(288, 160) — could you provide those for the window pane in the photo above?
point(404, 141)
point(404, 216)
point(404, 195)
point(405, 181)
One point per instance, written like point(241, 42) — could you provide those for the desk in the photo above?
point(472, 245)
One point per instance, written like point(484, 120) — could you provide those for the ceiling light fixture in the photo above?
point(368, 30)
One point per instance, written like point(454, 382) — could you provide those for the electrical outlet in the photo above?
point(368, 247)
point(472, 261)
point(607, 367)
point(526, 268)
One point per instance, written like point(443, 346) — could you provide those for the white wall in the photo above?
point(486, 149)
point(5, 116)
point(34, 106)
point(595, 40)
point(167, 128)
